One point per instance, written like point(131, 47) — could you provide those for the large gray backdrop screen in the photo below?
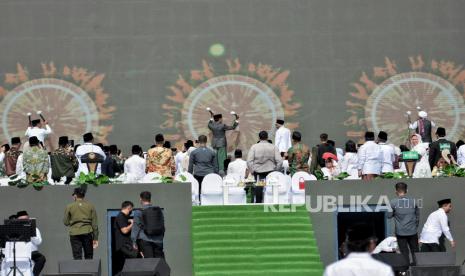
point(142, 48)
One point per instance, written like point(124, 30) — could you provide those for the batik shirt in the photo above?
point(11, 157)
point(160, 160)
point(35, 164)
point(63, 163)
point(298, 156)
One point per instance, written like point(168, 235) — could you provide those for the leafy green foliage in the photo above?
point(320, 175)
point(164, 179)
point(92, 179)
point(393, 175)
point(453, 170)
point(342, 175)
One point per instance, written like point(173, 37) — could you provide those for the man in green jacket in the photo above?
point(81, 218)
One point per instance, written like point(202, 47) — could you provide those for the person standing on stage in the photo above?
point(370, 158)
point(436, 225)
point(282, 138)
point(219, 143)
point(85, 148)
point(423, 126)
point(36, 163)
point(202, 161)
point(122, 229)
point(37, 130)
point(63, 161)
point(160, 159)
point(388, 151)
point(317, 153)
point(11, 156)
point(135, 165)
point(406, 218)
point(436, 148)
point(298, 155)
point(263, 158)
point(81, 218)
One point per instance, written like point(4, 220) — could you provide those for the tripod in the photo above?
point(14, 268)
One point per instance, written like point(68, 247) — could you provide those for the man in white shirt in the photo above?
point(180, 156)
point(38, 259)
point(135, 165)
point(38, 131)
point(370, 158)
point(85, 148)
point(461, 156)
point(359, 261)
point(282, 138)
point(389, 154)
point(238, 166)
point(436, 225)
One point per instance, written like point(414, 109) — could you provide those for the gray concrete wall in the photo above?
point(48, 207)
point(429, 190)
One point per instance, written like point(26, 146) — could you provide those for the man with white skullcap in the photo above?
point(423, 126)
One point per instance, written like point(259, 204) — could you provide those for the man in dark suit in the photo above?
point(436, 148)
point(219, 143)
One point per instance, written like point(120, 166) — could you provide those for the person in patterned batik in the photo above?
point(35, 162)
point(298, 155)
point(160, 159)
point(63, 161)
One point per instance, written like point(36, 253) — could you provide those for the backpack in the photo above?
point(153, 221)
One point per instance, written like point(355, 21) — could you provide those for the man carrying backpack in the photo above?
point(149, 228)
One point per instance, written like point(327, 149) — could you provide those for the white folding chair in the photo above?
point(212, 190)
point(297, 192)
point(152, 177)
point(236, 194)
point(284, 183)
point(24, 263)
point(194, 185)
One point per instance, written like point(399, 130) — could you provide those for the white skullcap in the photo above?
point(422, 114)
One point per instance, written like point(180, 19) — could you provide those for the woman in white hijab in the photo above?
point(422, 168)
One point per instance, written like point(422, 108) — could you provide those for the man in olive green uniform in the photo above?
point(81, 218)
point(219, 143)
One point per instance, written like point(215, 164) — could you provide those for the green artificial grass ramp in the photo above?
point(245, 240)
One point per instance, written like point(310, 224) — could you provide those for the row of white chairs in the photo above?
point(216, 189)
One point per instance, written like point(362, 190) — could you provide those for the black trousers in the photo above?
point(39, 262)
point(430, 247)
point(80, 243)
point(151, 249)
point(125, 252)
point(408, 245)
point(257, 192)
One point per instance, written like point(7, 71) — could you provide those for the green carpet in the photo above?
point(245, 240)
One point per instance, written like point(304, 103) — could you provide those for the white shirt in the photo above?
point(40, 133)
point(370, 158)
point(349, 164)
point(238, 166)
point(389, 157)
point(2, 156)
point(86, 148)
point(435, 226)
point(19, 166)
point(389, 244)
point(358, 264)
point(283, 139)
point(135, 165)
point(461, 155)
point(178, 160)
